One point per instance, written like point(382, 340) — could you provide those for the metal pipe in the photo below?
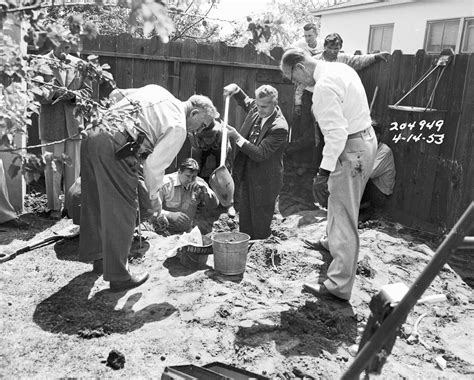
point(400, 312)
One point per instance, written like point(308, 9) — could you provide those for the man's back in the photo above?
point(384, 172)
point(343, 85)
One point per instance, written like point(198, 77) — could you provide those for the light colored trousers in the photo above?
point(53, 178)
point(109, 203)
point(7, 212)
point(346, 186)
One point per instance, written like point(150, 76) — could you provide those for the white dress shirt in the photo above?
point(340, 107)
point(163, 120)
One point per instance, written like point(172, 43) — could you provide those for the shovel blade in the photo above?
point(222, 184)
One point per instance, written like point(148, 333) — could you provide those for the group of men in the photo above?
point(112, 173)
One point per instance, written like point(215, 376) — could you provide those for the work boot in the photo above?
point(98, 266)
point(133, 282)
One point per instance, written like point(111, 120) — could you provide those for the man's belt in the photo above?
point(131, 147)
point(365, 132)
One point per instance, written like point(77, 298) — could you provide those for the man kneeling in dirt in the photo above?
point(181, 194)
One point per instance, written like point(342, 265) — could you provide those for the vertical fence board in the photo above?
point(446, 187)
point(204, 72)
point(187, 86)
point(218, 80)
point(141, 75)
point(175, 50)
point(108, 44)
point(463, 154)
point(124, 65)
point(159, 70)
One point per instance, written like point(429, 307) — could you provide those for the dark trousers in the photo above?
point(254, 219)
point(109, 203)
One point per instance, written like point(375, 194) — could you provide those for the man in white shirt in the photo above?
point(310, 40)
point(109, 172)
point(340, 107)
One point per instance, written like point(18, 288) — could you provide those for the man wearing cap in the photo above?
point(340, 107)
point(181, 194)
point(110, 159)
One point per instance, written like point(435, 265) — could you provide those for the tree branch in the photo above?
point(41, 145)
point(190, 26)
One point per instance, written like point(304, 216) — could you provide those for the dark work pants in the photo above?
point(254, 219)
point(109, 203)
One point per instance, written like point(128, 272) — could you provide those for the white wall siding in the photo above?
point(409, 21)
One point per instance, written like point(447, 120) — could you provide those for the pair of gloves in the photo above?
point(320, 187)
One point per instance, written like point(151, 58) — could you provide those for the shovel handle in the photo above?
point(9, 256)
point(224, 131)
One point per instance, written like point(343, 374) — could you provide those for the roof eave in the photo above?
point(349, 7)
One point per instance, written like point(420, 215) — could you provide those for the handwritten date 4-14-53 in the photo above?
point(432, 138)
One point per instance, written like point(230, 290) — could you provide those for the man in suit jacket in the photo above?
point(258, 164)
point(57, 121)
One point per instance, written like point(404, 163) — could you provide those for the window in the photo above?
point(468, 36)
point(440, 35)
point(380, 38)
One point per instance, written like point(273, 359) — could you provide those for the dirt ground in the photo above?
point(58, 319)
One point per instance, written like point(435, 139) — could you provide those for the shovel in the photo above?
point(66, 233)
point(221, 180)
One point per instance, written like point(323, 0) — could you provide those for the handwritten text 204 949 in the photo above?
point(418, 131)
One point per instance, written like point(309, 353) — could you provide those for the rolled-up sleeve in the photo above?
point(327, 107)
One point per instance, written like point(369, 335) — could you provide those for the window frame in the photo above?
point(465, 21)
point(372, 27)
point(457, 45)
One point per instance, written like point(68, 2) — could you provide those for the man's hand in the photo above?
point(382, 56)
point(196, 187)
point(231, 89)
point(232, 132)
point(178, 219)
point(297, 109)
point(320, 187)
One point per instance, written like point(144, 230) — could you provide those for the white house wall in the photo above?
point(409, 21)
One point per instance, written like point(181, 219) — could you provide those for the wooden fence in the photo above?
point(435, 182)
point(186, 68)
point(435, 175)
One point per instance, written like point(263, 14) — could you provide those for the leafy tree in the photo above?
point(25, 79)
point(279, 25)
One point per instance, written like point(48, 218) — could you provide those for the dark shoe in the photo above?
point(135, 280)
point(55, 215)
point(16, 223)
point(316, 245)
point(320, 290)
point(98, 266)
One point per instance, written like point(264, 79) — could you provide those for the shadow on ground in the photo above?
point(36, 226)
point(312, 328)
point(71, 311)
point(176, 269)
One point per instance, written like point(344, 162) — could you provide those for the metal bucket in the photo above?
point(230, 252)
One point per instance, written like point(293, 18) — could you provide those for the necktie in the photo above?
point(257, 127)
